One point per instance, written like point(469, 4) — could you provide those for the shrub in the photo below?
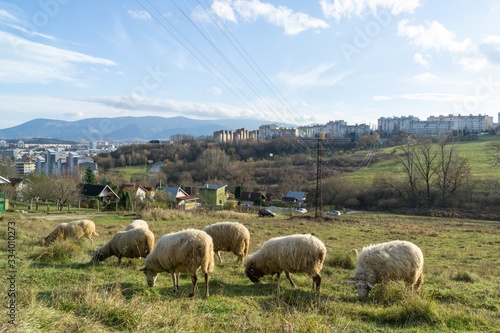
point(346, 261)
point(463, 277)
point(59, 252)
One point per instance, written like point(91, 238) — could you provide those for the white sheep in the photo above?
point(231, 237)
point(134, 243)
point(293, 254)
point(137, 224)
point(76, 229)
point(395, 260)
point(181, 252)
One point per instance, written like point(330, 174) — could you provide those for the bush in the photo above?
point(463, 277)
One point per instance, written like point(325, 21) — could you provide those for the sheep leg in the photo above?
point(289, 277)
point(316, 282)
point(220, 258)
point(175, 280)
point(278, 276)
point(119, 260)
point(207, 293)
point(194, 279)
point(418, 283)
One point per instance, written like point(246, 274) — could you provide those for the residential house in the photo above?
point(4, 203)
point(213, 194)
point(183, 199)
point(136, 191)
point(20, 185)
point(104, 193)
point(252, 198)
point(295, 198)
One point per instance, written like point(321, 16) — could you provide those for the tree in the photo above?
point(410, 192)
point(126, 200)
point(213, 162)
point(454, 172)
point(424, 159)
point(64, 191)
point(37, 188)
point(89, 177)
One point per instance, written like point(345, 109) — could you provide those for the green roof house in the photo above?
point(213, 194)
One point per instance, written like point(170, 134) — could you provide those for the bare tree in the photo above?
point(64, 191)
point(406, 160)
point(37, 189)
point(454, 172)
point(424, 160)
point(213, 162)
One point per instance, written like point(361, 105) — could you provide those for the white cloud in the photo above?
point(250, 10)
point(140, 104)
point(24, 61)
point(426, 77)
point(436, 97)
point(381, 98)
point(320, 76)
point(435, 37)
point(339, 8)
point(224, 10)
point(140, 15)
point(422, 59)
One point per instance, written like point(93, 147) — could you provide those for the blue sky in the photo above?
point(298, 62)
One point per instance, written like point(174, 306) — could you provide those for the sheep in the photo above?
point(230, 236)
point(76, 229)
point(395, 260)
point(137, 224)
point(300, 253)
point(134, 243)
point(183, 251)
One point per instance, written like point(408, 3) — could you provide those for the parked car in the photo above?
point(333, 212)
point(266, 212)
point(301, 210)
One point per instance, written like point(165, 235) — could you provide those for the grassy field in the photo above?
point(479, 154)
point(58, 291)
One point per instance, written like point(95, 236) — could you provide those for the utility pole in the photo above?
point(319, 199)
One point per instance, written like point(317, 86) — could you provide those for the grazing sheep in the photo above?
point(395, 260)
point(137, 224)
point(135, 243)
point(231, 237)
point(292, 254)
point(184, 251)
point(76, 229)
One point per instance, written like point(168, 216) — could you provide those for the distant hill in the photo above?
point(128, 129)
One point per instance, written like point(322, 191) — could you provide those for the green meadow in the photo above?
point(479, 153)
point(57, 290)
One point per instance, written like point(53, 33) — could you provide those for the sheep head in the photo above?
point(363, 288)
point(97, 257)
point(150, 276)
point(254, 274)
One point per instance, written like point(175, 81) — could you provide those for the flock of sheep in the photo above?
point(191, 250)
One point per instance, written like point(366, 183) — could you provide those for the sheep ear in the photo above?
point(352, 282)
point(143, 269)
point(370, 285)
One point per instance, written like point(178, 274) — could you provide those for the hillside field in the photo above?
point(57, 290)
point(479, 153)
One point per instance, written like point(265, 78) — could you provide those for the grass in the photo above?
point(478, 152)
point(59, 291)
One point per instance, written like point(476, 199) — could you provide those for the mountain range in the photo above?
point(127, 129)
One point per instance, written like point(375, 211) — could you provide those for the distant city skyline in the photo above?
point(289, 62)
